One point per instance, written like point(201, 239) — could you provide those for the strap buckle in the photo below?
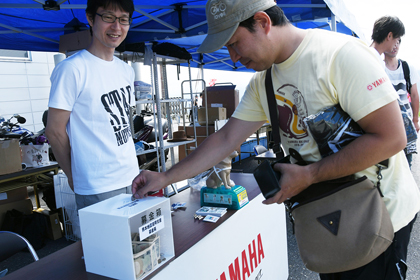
point(278, 150)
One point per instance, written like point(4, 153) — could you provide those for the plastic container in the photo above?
point(143, 90)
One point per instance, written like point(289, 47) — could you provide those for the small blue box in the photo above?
point(234, 198)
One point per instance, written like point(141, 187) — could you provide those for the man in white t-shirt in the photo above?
point(386, 36)
point(88, 123)
point(395, 71)
point(311, 69)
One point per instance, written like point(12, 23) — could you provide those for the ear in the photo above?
point(89, 19)
point(390, 36)
point(263, 20)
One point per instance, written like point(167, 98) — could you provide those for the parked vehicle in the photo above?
point(10, 129)
point(145, 131)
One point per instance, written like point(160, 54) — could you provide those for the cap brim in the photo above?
point(216, 41)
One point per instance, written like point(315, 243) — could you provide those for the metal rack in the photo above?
point(162, 107)
point(188, 107)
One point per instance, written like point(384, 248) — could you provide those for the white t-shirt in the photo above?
point(99, 94)
point(400, 84)
point(377, 54)
point(329, 68)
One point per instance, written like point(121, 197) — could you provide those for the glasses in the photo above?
point(111, 19)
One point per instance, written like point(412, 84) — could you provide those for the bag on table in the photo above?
point(35, 155)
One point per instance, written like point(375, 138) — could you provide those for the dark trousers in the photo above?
point(390, 265)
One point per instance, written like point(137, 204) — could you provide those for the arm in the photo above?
point(57, 136)
point(384, 137)
point(215, 148)
point(415, 106)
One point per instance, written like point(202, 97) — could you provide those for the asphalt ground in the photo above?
point(297, 270)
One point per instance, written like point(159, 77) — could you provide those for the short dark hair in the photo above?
point(387, 24)
point(93, 5)
point(124, 5)
point(276, 14)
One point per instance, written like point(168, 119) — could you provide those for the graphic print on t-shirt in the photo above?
point(117, 104)
point(292, 110)
point(401, 89)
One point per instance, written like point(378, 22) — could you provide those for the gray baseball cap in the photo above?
point(223, 18)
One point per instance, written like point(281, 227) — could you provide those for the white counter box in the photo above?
point(113, 231)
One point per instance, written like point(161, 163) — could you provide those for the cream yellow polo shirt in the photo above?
point(329, 68)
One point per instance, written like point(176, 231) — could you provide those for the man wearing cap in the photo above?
point(311, 69)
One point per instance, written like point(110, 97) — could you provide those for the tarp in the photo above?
point(37, 25)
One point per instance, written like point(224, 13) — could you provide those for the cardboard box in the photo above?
point(74, 41)
point(10, 158)
point(226, 95)
point(13, 195)
point(109, 231)
point(24, 206)
point(216, 113)
point(54, 231)
point(199, 130)
point(186, 149)
point(201, 136)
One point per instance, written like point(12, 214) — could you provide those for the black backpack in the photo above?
point(406, 71)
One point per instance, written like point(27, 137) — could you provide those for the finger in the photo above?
point(277, 167)
point(135, 188)
point(273, 199)
point(139, 194)
point(136, 195)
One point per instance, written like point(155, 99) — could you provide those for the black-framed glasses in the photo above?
point(109, 18)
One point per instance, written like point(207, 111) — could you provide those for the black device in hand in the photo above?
point(267, 179)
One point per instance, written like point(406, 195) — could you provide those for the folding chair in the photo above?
point(259, 149)
point(12, 243)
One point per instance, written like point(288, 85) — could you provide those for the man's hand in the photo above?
point(56, 132)
point(148, 181)
point(294, 179)
point(415, 106)
point(70, 181)
point(416, 125)
point(214, 149)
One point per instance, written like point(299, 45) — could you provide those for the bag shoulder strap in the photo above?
point(406, 71)
point(274, 114)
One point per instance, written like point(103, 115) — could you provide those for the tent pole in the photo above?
point(333, 23)
point(202, 66)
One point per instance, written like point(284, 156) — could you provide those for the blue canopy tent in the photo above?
point(220, 59)
point(37, 25)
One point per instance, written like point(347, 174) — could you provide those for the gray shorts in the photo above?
point(87, 200)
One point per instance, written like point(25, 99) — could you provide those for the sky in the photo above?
point(176, 86)
point(365, 12)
